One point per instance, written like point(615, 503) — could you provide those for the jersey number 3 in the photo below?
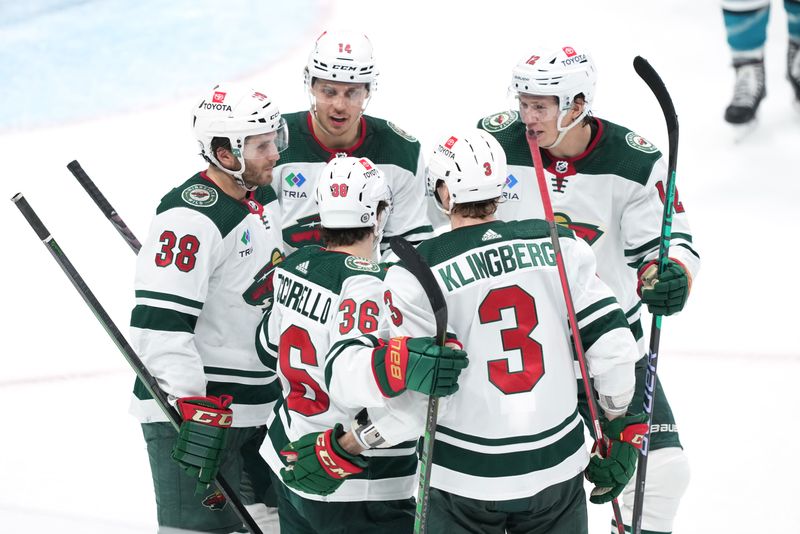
point(514, 339)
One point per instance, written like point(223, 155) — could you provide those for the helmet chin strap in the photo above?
point(562, 131)
point(236, 175)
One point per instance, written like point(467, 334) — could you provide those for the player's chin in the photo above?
point(265, 177)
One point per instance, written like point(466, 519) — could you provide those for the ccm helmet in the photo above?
point(342, 56)
point(348, 194)
point(472, 164)
point(235, 113)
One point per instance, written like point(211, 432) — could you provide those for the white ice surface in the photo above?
point(72, 460)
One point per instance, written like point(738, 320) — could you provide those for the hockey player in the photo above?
point(325, 297)
point(203, 280)
point(340, 79)
point(746, 27)
point(607, 185)
point(509, 454)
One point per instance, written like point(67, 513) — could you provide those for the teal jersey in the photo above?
point(203, 281)
point(394, 151)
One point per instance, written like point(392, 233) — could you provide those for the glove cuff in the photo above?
point(389, 365)
point(336, 462)
point(212, 411)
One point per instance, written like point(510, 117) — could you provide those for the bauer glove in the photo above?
point(623, 437)
point(665, 294)
point(419, 364)
point(202, 435)
point(318, 464)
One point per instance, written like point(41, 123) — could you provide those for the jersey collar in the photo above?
point(333, 151)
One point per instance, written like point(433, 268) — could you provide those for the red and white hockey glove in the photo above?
point(623, 437)
point(202, 436)
point(317, 464)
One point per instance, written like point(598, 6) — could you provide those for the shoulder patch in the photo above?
point(361, 264)
point(200, 195)
point(640, 143)
point(402, 133)
point(499, 121)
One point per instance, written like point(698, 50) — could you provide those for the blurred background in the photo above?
point(111, 84)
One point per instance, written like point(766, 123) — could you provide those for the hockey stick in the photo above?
point(422, 272)
point(647, 73)
point(573, 320)
point(119, 340)
point(99, 199)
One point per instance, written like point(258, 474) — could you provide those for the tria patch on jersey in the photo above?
point(499, 121)
point(361, 264)
point(399, 131)
point(588, 232)
point(200, 195)
point(640, 143)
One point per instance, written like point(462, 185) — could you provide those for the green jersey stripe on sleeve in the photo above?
point(156, 295)
point(602, 325)
point(238, 372)
point(246, 393)
point(588, 310)
point(153, 318)
point(366, 340)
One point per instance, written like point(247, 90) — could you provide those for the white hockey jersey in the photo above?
point(324, 299)
point(394, 151)
point(513, 427)
point(611, 195)
point(203, 281)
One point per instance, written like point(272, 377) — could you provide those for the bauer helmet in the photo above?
point(472, 164)
point(348, 194)
point(235, 113)
point(563, 73)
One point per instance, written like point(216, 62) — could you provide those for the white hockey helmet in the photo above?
point(342, 56)
point(348, 194)
point(561, 72)
point(472, 164)
point(235, 112)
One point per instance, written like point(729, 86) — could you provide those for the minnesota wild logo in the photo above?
point(640, 143)
point(260, 291)
point(304, 232)
point(499, 121)
point(199, 195)
point(588, 232)
point(399, 131)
